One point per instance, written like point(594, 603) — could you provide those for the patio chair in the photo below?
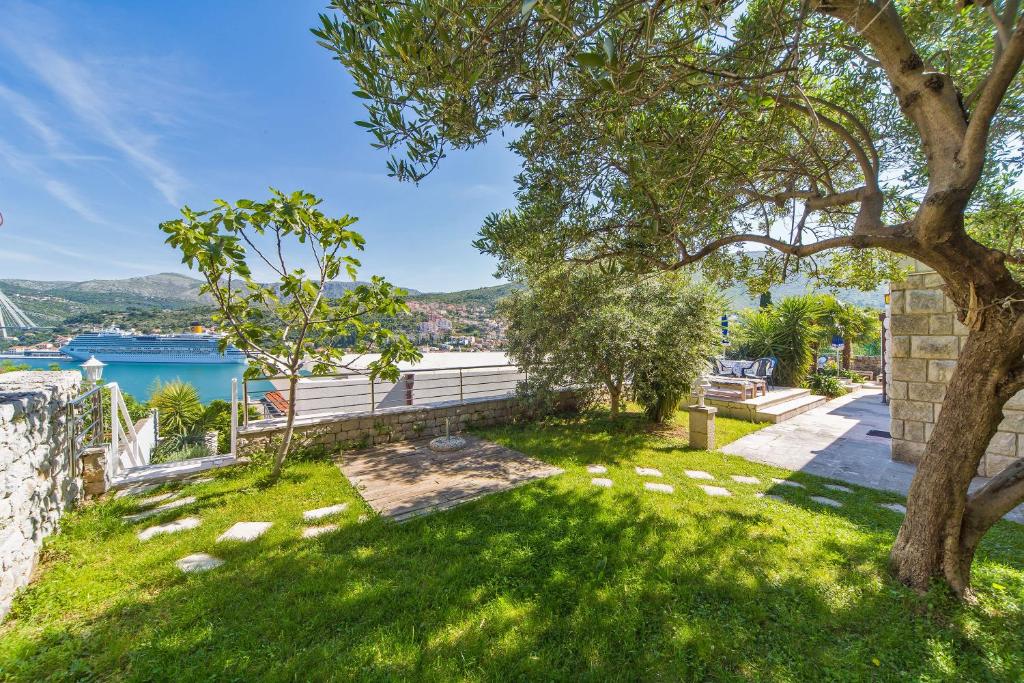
point(730, 368)
point(762, 368)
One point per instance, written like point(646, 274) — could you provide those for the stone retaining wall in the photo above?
point(352, 431)
point(872, 364)
point(37, 482)
point(926, 338)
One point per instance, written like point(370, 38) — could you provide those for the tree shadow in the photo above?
point(546, 581)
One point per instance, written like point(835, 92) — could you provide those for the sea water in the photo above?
point(212, 380)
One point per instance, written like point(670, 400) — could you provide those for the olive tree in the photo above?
point(291, 323)
point(588, 328)
point(663, 135)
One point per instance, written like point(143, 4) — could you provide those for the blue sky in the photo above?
point(114, 114)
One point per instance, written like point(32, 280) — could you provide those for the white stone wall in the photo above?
point(925, 340)
point(36, 482)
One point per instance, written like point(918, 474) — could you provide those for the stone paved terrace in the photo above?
point(407, 479)
point(833, 441)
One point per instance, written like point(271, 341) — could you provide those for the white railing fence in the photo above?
point(126, 444)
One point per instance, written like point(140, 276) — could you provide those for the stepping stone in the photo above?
point(319, 513)
point(895, 507)
point(600, 481)
point(714, 490)
point(245, 531)
point(741, 479)
point(199, 562)
point(596, 469)
point(200, 480)
point(837, 487)
point(772, 496)
point(363, 518)
point(827, 501)
point(313, 531)
point(181, 502)
point(169, 528)
point(648, 472)
point(153, 500)
point(699, 474)
point(660, 488)
point(136, 490)
point(787, 482)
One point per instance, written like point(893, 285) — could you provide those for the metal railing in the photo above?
point(353, 392)
point(89, 427)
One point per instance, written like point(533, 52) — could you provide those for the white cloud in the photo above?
point(56, 188)
point(120, 103)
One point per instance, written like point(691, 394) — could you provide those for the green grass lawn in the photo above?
point(555, 580)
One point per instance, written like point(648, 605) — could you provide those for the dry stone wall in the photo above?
point(352, 431)
point(37, 479)
point(926, 339)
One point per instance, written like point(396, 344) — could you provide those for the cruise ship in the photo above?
point(117, 346)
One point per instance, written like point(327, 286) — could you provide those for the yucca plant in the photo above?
point(181, 411)
point(788, 331)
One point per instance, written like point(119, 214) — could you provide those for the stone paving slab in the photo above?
point(832, 441)
point(771, 496)
point(319, 513)
point(136, 490)
point(245, 531)
point(198, 562)
point(787, 482)
point(648, 472)
point(742, 479)
point(895, 507)
point(407, 479)
point(169, 528)
point(699, 474)
point(832, 503)
point(160, 509)
point(314, 531)
point(597, 469)
point(153, 500)
point(714, 490)
point(602, 482)
point(837, 487)
point(660, 488)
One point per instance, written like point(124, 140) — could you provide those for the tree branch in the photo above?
point(972, 154)
point(1002, 493)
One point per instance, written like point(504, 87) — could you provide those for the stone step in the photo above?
point(777, 396)
point(780, 412)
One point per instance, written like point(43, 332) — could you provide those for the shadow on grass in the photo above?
point(540, 582)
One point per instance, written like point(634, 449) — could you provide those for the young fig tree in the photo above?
point(293, 322)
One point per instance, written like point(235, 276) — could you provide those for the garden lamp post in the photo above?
point(93, 370)
point(702, 389)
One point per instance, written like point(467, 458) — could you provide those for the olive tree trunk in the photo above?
point(944, 524)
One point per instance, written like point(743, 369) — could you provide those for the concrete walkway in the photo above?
point(833, 441)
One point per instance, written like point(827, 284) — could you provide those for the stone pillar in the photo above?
point(702, 427)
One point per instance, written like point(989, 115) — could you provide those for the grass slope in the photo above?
point(554, 580)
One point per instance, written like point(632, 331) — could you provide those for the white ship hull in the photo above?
point(191, 359)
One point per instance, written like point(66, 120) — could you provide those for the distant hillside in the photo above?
point(740, 298)
point(482, 296)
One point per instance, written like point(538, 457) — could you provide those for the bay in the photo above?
point(213, 381)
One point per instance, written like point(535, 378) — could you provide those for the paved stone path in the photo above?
point(320, 513)
point(244, 531)
point(833, 441)
point(837, 487)
point(832, 503)
point(787, 482)
point(153, 500)
point(597, 469)
point(740, 479)
point(660, 488)
point(895, 507)
point(169, 528)
point(198, 562)
point(602, 482)
point(699, 474)
point(407, 479)
point(313, 531)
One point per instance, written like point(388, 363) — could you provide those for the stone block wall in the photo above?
point(37, 480)
point(872, 364)
point(352, 431)
point(925, 341)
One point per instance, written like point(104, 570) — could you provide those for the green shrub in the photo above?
point(826, 385)
point(788, 331)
